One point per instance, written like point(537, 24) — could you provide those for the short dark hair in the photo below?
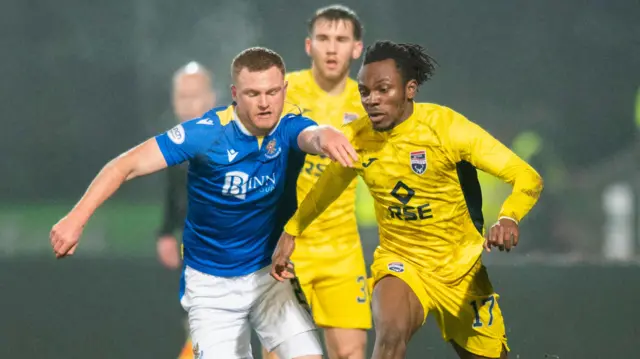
point(336, 13)
point(411, 59)
point(256, 59)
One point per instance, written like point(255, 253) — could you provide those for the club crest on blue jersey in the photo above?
point(273, 150)
point(419, 161)
point(397, 267)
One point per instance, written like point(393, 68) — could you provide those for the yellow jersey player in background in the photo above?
point(329, 262)
point(419, 161)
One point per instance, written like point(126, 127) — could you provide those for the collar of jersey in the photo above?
point(244, 129)
point(316, 89)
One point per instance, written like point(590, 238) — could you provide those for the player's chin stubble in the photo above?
point(383, 128)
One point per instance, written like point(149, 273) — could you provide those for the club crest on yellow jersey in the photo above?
point(419, 161)
point(349, 117)
point(397, 267)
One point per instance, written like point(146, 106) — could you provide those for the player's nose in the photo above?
point(263, 102)
point(332, 49)
point(373, 100)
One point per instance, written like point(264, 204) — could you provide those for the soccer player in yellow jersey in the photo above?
point(419, 161)
point(329, 262)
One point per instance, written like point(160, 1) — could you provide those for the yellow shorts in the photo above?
point(336, 288)
point(467, 313)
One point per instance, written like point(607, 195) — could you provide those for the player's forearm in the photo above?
point(329, 187)
point(527, 187)
point(103, 186)
point(141, 160)
point(309, 140)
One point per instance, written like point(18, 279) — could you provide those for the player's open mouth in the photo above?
point(376, 116)
point(332, 64)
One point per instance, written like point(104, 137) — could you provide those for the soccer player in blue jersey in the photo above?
point(243, 165)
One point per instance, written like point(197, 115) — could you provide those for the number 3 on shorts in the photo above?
point(477, 322)
point(363, 288)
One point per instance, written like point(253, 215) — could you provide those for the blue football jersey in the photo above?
point(241, 189)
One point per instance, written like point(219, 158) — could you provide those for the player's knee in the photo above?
point(391, 342)
point(351, 350)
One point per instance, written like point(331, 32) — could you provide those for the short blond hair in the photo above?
point(256, 59)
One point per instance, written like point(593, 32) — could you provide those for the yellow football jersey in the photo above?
point(339, 220)
point(422, 176)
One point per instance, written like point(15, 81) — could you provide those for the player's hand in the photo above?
point(504, 234)
point(168, 251)
point(65, 235)
point(281, 266)
point(334, 144)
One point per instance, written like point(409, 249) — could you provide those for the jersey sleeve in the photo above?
point(186, 140)
point(473, 144)
point(333, 181)
point(295, 125)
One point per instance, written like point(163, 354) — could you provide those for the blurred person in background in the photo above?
point(192, 96)
point(329, 262)
point(420, 162)
point(244, 160)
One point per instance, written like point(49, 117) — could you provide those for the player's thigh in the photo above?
point(400, 303)
point(303, 290)
point(281, 313)
point(216, 325)
point(221, 332)
point(469, 315)
point(303, 284)
point(341, 298)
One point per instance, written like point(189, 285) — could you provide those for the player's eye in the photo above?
point(383, 89)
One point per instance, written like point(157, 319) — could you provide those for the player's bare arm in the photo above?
point(141, 160)
point(329, 141)
point(335, 179)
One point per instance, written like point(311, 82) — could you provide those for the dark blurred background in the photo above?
point(558, 82)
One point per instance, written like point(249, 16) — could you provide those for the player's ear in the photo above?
point(234, 93)
point(357, 50)
point(307, 46)
point(411, 89)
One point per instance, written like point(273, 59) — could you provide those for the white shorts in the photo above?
point(223, 310)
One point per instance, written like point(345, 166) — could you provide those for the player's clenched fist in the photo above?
point(504, 235)
point(64, 236)
point(281, 266)
point(336, 146)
